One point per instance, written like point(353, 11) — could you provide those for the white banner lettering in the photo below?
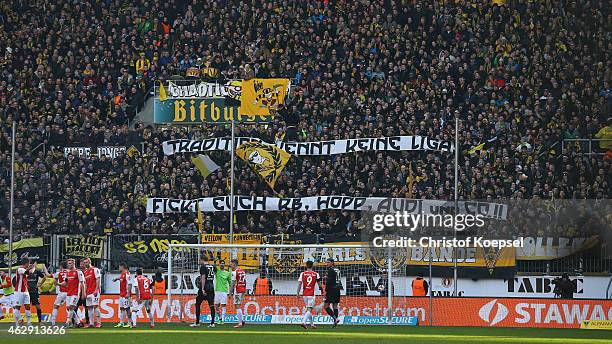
point(374, 204)
point(204, 90)
point(111, 152)
point(333, 147)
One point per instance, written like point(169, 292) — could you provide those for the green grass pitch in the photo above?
point(293, 334)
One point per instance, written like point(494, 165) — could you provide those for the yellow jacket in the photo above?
point(605, 133)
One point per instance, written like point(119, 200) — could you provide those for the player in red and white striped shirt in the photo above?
point(125, 289)
point(60, 299)
point(238, 289)
point(22, 295)
point(144, 296)
point(92, 292)
point(75, 288)
point(307, 284)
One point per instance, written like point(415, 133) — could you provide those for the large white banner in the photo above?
point(332, 147)
point(587, 287)
point(374, 204)
point(204, 90)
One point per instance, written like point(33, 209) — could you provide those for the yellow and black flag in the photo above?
point(261, 95)
point(483, 146)
point(267, 160)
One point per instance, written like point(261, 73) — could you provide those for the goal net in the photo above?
point(272, 273)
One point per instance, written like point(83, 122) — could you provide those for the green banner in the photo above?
point(198, 111)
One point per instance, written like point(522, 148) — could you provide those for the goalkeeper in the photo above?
point(223, 281)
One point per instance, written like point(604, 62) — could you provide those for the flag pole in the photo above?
point(456, 199)
point(231, 217)
point(12, 218)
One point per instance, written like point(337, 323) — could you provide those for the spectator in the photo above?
point(605, 135)
point(356, 287)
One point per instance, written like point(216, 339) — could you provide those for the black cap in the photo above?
point(331, 260)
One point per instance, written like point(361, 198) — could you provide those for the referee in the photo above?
point(206, 291)
point(33, 276)
point(332, 290)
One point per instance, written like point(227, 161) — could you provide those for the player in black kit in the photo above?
point(332, 290)
point(206, 291)
point(33, 283)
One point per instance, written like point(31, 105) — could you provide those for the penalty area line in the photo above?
point(349, 335)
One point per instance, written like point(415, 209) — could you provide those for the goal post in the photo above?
point(374, 283)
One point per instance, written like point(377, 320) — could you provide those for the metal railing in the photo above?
point(44, 148)
point(572, 265)
point(583, 146)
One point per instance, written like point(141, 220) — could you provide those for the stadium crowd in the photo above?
point(521, 75)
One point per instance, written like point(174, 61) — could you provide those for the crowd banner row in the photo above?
point(331, 147)
point(315, 203)
point(150, 251)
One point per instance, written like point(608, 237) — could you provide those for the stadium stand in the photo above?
point(526, 78)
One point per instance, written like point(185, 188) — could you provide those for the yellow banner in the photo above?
point(267, 160)
point(248, 258)
point(84, 246)
point(261, 95)
point(287, 260)
point(23, 243)
point(466, 257)
point(596, 325)
point(32, 248)
point(10, 317)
